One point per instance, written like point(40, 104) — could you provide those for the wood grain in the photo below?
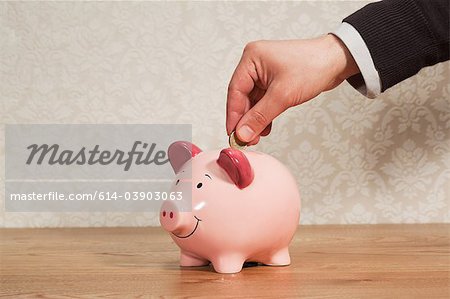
point(369, 261)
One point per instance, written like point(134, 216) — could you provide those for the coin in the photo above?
point(234, 142)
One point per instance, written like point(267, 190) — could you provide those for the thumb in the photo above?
point(261, 114)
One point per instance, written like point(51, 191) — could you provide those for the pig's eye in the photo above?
point(199, 185)
point(177, 182)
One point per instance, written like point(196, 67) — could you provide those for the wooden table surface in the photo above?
point(358, 261)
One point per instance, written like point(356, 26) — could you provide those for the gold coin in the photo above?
point(234, 142)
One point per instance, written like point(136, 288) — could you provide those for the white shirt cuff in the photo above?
point(368, 81)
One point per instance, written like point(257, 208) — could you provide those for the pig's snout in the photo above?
point(174, 221)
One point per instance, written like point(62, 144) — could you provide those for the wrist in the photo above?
point(343, 63)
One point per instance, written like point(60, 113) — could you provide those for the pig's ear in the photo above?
point(180, 152)
point(237, 166)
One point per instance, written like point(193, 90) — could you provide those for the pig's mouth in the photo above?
point(192, 232)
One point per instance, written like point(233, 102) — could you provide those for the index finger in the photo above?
point(241, 84)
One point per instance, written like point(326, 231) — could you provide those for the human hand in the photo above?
point(273, 76)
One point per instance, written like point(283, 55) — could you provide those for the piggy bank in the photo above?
point(245, 207)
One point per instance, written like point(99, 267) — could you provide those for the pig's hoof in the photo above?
point(228, 269)
point(279, 258)
point(228, 265)
point(187, 260)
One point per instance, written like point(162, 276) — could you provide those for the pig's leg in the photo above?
point(187, 260)
point(229, 263)
point(279, 258)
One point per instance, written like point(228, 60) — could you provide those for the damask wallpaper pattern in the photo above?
point(357, 160)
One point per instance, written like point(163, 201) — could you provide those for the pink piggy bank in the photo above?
point(245, 207)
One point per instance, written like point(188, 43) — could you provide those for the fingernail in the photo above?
point(245, 133)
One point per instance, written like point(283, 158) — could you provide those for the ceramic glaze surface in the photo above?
point(230, 224)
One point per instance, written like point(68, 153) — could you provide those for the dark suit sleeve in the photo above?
point(403, 36)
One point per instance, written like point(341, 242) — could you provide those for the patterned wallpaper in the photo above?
point(356, 160)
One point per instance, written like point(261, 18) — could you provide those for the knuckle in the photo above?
point(253, 46)
point(259, 118)
point(232, 88)
point(286, 97)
